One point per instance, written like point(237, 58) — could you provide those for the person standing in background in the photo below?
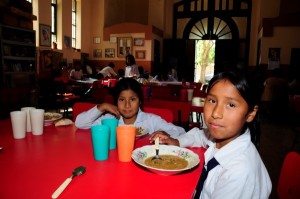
point(131, 69)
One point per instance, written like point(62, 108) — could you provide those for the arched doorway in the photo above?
point(226, 21)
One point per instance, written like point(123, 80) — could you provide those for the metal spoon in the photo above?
point(156, 150)
point(78, 171)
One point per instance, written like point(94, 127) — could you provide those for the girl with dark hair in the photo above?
point(128, 98)
point(229, 112)
point(131, 69)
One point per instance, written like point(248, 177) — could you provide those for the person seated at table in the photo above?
point(163, 76)
point(230, 113)
point(143, 77)
point(131, 70)
point(173, 73)
point(108, 71)
point(128, 100)
point(91, 71)
point(76, 73)
point(121, 73)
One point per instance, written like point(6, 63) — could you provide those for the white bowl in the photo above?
point(51, 117)
point(139, 155)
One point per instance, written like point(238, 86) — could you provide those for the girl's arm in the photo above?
point(87, 119)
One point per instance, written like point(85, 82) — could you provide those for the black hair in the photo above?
point(130, 60)
point(247, 91)
point(128, 84)
point(111, 64)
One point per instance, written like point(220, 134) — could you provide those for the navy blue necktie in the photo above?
point(210, 165)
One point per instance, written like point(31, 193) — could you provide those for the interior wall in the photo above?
point(283, 37)
point(120, 11)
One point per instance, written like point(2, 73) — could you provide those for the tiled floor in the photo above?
point(276, 140)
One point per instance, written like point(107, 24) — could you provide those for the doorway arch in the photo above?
point(226, 21)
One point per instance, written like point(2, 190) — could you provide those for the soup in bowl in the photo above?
point(173, 159)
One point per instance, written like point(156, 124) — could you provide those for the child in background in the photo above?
point(229, 113)
point(128, 98)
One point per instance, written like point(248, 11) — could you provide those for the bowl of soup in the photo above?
point(49, 118)
point(173, 160)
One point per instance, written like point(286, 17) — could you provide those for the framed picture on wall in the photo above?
point(273, 58)
point(109, 52)
point(97, 40)
point(97, 53)
point(45, 35)
point(124, 46)
point(140, 54)
point(139, 41)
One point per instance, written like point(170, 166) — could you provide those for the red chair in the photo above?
point(180, 109)
point(166, 114)
point(80, 107)
point(289, 179)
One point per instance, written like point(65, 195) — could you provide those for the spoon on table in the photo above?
point(156, 150)
point(76, 172)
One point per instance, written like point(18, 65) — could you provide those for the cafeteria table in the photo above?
point(34, 167)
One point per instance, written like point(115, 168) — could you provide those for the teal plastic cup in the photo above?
point(112, 123)
point(100, 139)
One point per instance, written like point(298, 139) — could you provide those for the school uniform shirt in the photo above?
point(108, 72)
point(76, 74)
point(131, 71)
point(240, 173)
point(150, 122)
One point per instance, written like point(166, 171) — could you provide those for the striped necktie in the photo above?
point(210, 165)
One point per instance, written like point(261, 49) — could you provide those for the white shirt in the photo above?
point(76, 74)
point(147, 121)
point(241, 174)
point(108, 72)
point(131, 71)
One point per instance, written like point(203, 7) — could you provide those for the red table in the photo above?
point(35, 166)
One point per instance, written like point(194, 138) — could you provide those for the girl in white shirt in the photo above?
point(131, 69)
point(128, 98)
point(229, 113)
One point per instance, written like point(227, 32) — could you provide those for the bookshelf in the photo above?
point(18, 57)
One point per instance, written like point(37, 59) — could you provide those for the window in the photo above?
point(53, 21)
point(74, 9)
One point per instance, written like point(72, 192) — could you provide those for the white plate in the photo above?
point(143, 132)
point(139, 155)
point(51, 117)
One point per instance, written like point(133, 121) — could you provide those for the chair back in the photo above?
point(181, 109)
point(80, 107)
point(289, 179)
point(166, 114)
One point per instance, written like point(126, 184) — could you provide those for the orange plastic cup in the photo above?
point(125, 142)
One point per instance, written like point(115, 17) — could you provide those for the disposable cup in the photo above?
point(190, 94)
point(37, 121)
point(125, 142)
point(100, 141)
point(18, 121)
point(28, 122)
point(112, 123)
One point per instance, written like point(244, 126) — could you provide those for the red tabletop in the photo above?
point(34, 167)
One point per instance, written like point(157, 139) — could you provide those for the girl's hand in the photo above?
point(164, 138)
point(106, 107)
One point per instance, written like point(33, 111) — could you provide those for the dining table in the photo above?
point(34, 167)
